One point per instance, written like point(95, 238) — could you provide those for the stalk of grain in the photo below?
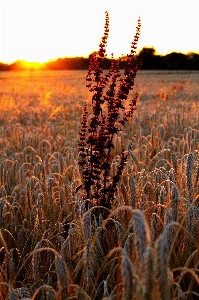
point(128, 277)
point(161, 266)
point(149, 190)
point(71, 237)
point(169, 231)
point(135, 161)
point(62, 276)
point(154, 229)
point(2, 201)
point(154, 135)
point(174, 202)
point(143, 201)
point(40, 210)
point(87, 225)
point(129, 246)
point(13, 295)
point(190, 229)
point(189, 172)
point(197, 176)
point(88, 268)
point(99, 251)
point(142, 234)
point(148, 270)
point(61, 197)
point(105, 293)
point(180, 293)
point(12, 265)
point(162, 202)
point(36, 262)
point(124, 193)
point(6, 259)
point(47, 291)
point(171, 175)
point(132, 192)
point(157, 176)
point(23, 293)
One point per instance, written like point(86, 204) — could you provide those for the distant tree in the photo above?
point(147, 55)
point(193, 61)
point(176, 61)
point(17, 65)
point(4, 67)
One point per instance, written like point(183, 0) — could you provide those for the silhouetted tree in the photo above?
point(4, 67)
point(176, 61)
point(193, 61)
point(147, 55)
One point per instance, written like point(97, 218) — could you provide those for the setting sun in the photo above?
point(31, 65)
point(38, 31)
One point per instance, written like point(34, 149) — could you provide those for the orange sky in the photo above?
point(43, 30)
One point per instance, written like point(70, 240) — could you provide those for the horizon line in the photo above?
point(87, 56)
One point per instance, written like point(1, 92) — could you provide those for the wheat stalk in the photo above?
point(189, 172)
point(161, 266)
point(148, 267)
point(2, 201)
point(62, 276)
point(162, 202)
point(128, 276)
point(142, 234)
point(13, 295)
point(174, 162)
point(49, 291)
point(87, 225)
point(133, 192)
point(39, 210)
point(174, 202)
point(197, 175)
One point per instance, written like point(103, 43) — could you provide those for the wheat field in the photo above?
point(147, 248)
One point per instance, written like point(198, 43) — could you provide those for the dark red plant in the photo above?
point(109, 92)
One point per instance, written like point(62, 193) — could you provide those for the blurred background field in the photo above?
point(55, 91)
point(56, 98)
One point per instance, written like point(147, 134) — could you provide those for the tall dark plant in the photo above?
point(109, 91)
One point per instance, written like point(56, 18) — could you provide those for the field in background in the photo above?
point(53, 100)
point(40, 120)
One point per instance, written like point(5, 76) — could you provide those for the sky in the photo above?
point(43, 30)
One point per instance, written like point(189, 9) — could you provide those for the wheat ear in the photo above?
point(62, 275)
point(13, 295)
point(135, 161)
point(87, 225)
point(162, 202)
point(174, 202)
point(142, 236)
point(197, 175)
point(162, 258)
point(148, 267)
point(133, 192)
point(189, 172)
point(127, 275)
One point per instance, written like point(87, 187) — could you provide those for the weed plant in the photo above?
point(143, 241)
point(107, 118)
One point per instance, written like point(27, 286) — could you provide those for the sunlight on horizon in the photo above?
point(40, 31)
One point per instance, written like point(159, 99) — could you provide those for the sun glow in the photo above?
point(31, 65)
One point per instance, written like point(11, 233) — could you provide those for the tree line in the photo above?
point(150, 61)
